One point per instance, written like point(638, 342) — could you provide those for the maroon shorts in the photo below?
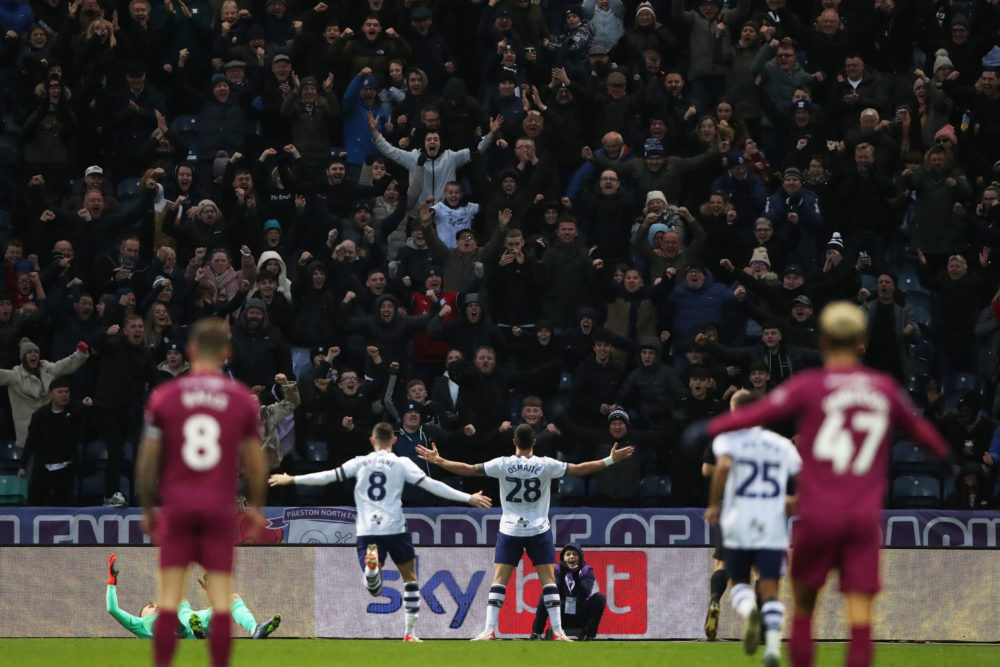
point(201, 537)
point(848, 544)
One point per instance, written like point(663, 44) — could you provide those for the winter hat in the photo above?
point(802, 299)
point(653, 148)
point(760, 255)
point(26, 347)
point(835, 243)
point(309, 81)
point(503, 11)
point(24, 266)
point(947, 131)
point(643, 7)
point(655, 229)
point(122, 291)
point(735, 159)
point(411, 406)
point(792, 171)
point(617, 78)
point(159, 281)
point(272, 224)
point(992, 57)
point(217, 79)
point(255, 303)
point(618, 415)
point(597, 50)
point(969, 399)
point(959, 19)
point(369, 82)
point(796, 269)
point(363, 205)
point(655, 194)
point(649, 343)
point(420, 13)
point(207, 203)
point(941, 59)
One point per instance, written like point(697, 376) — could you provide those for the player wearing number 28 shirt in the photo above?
point(846, 415)
point(198, 428)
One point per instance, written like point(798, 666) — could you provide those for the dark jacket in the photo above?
point(258, 355)
point(579, 583)
point(125, 371)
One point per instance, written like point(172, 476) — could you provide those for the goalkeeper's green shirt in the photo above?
point(142, 627)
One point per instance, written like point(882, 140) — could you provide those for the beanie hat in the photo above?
point(26, 347)
point(792, 171)
point(655, 229)
point(760, 255)
point(255, 303)
point(218, 78)
point(618, 415)
point(272, 224)
point(652, 148)
point(941, 59)
point(205, 203)
point(835, 243)
point(655, 194)
point(645, 6)
point(959, 19)
point(947, 131)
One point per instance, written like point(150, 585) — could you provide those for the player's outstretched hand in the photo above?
point(113, 571)
point(280, 479)
point(149, 522)
point(431, 455)
point(477, 499)
point(621, 454)
point(712, 514)
point(695, 437)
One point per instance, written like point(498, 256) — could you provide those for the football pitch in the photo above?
point(305, 652)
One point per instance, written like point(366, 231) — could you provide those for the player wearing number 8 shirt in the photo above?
point(380, 526)
point(525, 480)
point(198, 428)
point(846, 415)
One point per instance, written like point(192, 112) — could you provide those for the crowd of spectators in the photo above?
point(600, 219)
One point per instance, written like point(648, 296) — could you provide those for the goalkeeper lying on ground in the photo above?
point(191, 624)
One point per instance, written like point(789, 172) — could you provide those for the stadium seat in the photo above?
point(868, 281)
point(10, 140)
point(958, 383)
point(922, 305)
point(916, 386)
point(570, 492)
point(909, 458)
point(128, 190)
point(10, 457)
point(94, 456)
point(916, 492)
point(565, 383)
point(922, 357)
point(311, 495)
point(316, 451)
point(92, 489)
point(187, 128)
point(13, 490)
point(654, 491)
point(909, 282)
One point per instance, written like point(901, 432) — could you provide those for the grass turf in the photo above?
point(305, 652)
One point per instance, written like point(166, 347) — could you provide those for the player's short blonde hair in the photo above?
point(210, 339)
point(842, 324)
point(741, 397)
point(382, 433)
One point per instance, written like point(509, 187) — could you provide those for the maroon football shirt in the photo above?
point(846, 418)
point(203, 419)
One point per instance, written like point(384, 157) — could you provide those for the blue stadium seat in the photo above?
point(565, 383)
point(10, 457)
point(570, 492)
point(316, 451)
point(958, 383)
point(187, 128)
point(916, 385)
point(922, 305)
point(909, 458)
point(909, 282)
point(92, 489)
point(128, 190)
point(868, 281)
point(13, 490)
point(916, 492)
point(10, 140)
point(654, 491)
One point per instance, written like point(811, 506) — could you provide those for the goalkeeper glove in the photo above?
point(112, 571)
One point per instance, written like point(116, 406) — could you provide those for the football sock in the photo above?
point(241, 614)
point(717, 584)
point(373, 580)
point(550, 596)
point(859, 651)
point(744, 600)
point(411, 603)
point(165, 638)
point(221, 638)
point(493, 604)
point(773, 613)
point(800, 645)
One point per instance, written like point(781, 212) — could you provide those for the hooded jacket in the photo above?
point(258, 353)
point(392, 337)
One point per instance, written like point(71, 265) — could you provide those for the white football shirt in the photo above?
point(524, 491)
point(753, 504)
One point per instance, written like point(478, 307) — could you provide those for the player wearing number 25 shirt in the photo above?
point(846, 415)
point(525, 480)
point(198, 429)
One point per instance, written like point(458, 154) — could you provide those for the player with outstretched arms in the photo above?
point(525, 480)
point(846, 415)
point(747, 497)
point(380, 525)
point(198, 428)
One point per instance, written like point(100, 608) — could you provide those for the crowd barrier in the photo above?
point(652, 592)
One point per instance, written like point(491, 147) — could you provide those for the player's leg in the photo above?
point(542, 553)
point(184, 615)
point(716, 584)
point(411, 599)
point(594, 610)
point(244, 617)
point(506, 556)
point(800, 644)
point(769, 566)
point(218, 589)
point(165, 628)
point(371, 556)
point(815, 551)
point(744, 600)
point(859, 614)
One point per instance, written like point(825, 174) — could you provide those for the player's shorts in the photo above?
point(186, 537)
point(539, 548)
point(715, 537)
point(848, 544)
point(770, 563)
point(398, 546)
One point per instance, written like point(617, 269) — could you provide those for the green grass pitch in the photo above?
point(306, 652)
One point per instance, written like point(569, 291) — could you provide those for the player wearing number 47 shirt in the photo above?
point(198, 428)
point(525, 480)
point(380, 525)
point(750, 481)
point(846, 414)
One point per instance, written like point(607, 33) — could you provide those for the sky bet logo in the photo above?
point(621, 576)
